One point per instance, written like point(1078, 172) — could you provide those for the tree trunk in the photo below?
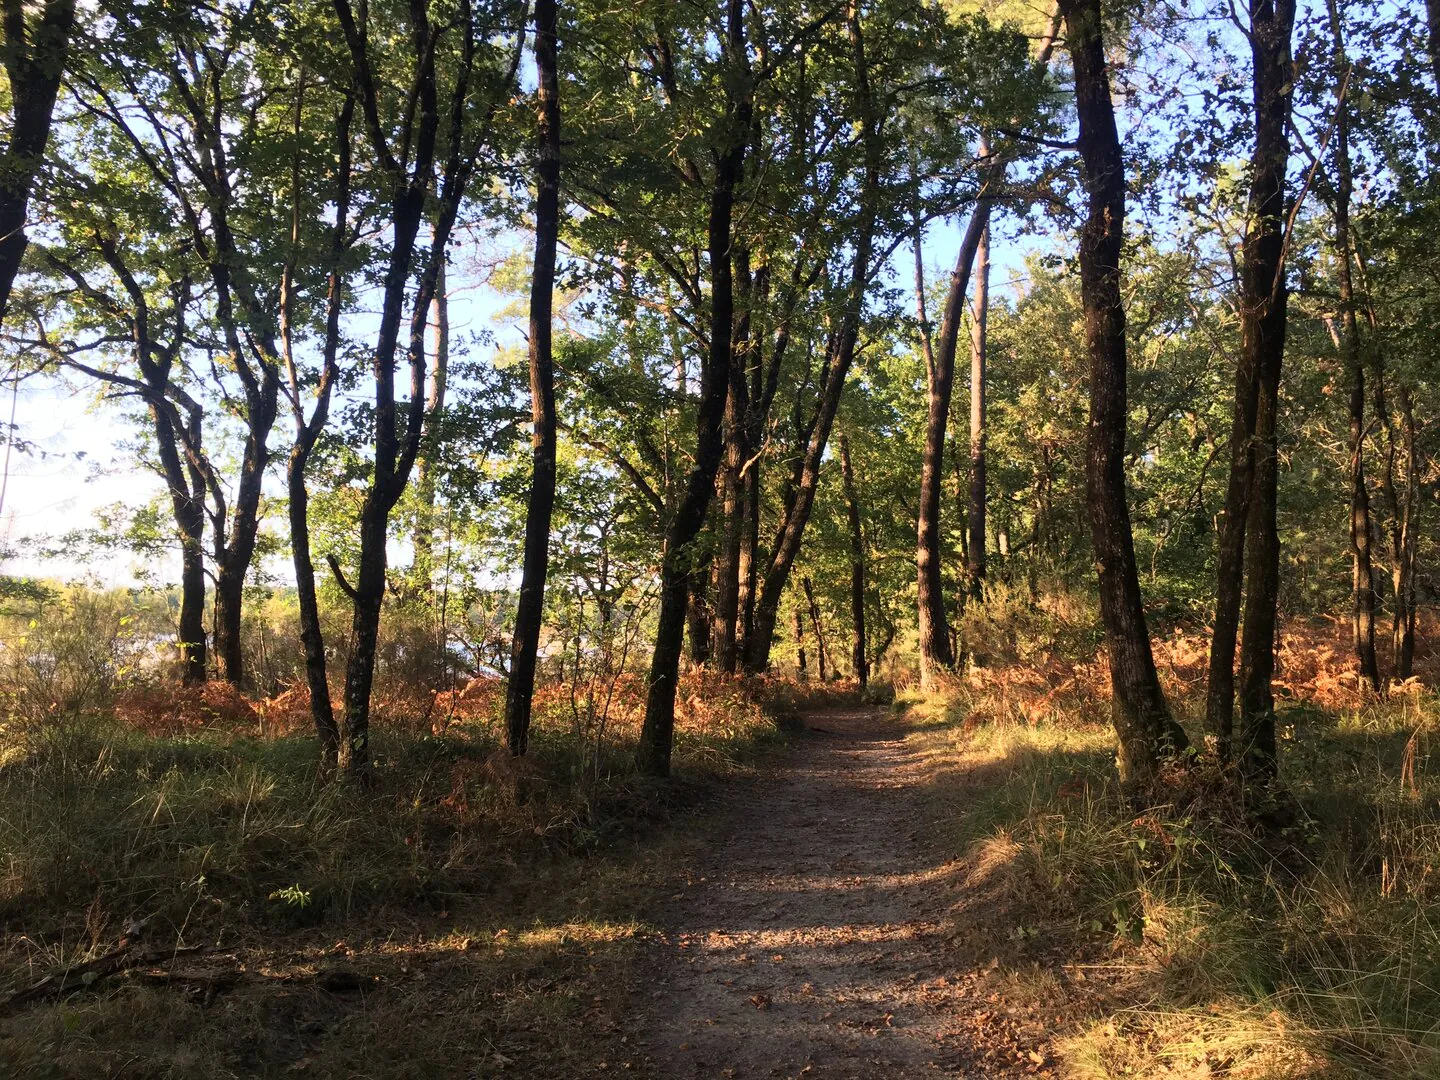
point(975, 519)
point(815, 625)
point(1362, 571)
point(697, 618)
point(1262, 333)
point(1262, 575)
point(312, 639)
point(531, 605)
point(1139, 710)
point(798, 630)
point(657, 734)
point(229, 614)
point(1403, 629)
point(858, 654)
point(408, 179)
point(35, 52)
point(367, 595)
point(732, 511)
point(187, 502)
point(935, 648)
point(307, 433)
point(423, 538)
point(233, 558)
point(842, 354)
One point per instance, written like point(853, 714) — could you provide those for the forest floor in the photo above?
point(814, 936)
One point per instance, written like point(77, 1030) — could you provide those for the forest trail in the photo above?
point(811, 939)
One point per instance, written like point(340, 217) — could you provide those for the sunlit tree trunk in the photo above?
point(975, 518)
point(1139, 710)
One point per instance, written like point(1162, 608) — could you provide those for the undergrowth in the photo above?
point(1195, 940)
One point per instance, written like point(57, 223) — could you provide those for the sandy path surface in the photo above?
point(810, 940)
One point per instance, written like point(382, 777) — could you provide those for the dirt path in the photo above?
point(811, 941)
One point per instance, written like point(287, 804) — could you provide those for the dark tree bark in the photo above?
point(1262, 333)
point(422, 539)
point(797, 630)
point(657, 734)
point(1362, 569)
point(233, 554)
point(821, 660)
point(858, 648)
point(36, 51)
point(530, 608)
point(935, 648)
point(975, 518)
point(1403, 630)
point(307, 433)
point(730, 549)
point(406, 182)
point(1138, 710)
point(697, 618)
point(805, 479)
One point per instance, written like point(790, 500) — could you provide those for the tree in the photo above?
point(531, 604)
point(418, 143)
point(1250, 494)
point(1138, 708)
point(859, 656)
point(678, 565)
point(36, 51)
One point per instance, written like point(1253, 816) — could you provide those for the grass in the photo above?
point(1193, 941)
point(485, 915)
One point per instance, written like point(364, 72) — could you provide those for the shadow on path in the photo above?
point(811, 938)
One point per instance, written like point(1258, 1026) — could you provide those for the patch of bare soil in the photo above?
point(812, 938)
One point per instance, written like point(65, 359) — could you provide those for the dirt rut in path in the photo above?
point(810, 940)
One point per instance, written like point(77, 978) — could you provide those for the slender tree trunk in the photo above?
point(187, 504)
point(726, 632)
point(975, 519)
point(1362, 571)
point(815, 625)
point(530, 608)
point(307, 432)
point(698, 619)
point(423, 537)
point(409, 180)
point(1262, 575)
point(858, 654)
point(1403, 631)
point(936, 652)
point(1139, 710)
point(798, 631)
point(234, 558)
point(677, 570)
point(312, 638)
point(35, 52)
point(1262, 332)
point(841, 355)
